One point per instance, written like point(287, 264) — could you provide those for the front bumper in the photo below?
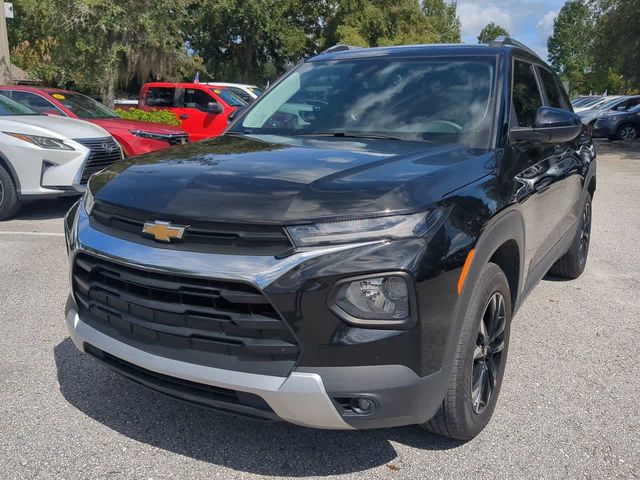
point(401, 371)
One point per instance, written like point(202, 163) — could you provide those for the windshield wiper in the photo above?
point(344, 134)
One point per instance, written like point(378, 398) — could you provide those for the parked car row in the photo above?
point(616, 117)
point(53, 140)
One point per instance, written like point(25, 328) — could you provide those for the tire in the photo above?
point(628, 132)
point(572, 264)
point(463, 413)
point(9, 201)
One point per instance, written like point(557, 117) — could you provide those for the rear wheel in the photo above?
point(572, 264)
point(628, 132)
point(480, 359)
point(9, 202)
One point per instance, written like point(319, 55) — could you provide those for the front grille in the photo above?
point(177, 139)
point(104, 152)
point(223, 324)
point(201, 236)
point(224, 399)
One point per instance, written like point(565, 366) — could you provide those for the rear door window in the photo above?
point(551, 88)
point(160, 97)
point(525, 95)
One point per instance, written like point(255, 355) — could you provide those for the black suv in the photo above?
point(351, 252)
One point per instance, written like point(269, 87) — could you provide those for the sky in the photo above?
point(529, 21)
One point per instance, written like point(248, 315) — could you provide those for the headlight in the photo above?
point(88, 200)
point(380, 228)
point(379, 301)
point(42, 142)
point(149, 135)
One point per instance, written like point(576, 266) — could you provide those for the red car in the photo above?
point(202, 109)
point(134, 136)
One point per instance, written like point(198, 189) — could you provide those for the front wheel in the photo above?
point(628, 133)
point(9, 201)
point(480, 359)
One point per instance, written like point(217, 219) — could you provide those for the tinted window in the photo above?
point(526, 97)
point(550, 87)
point(160, 97)
point(194, 98)
point(33, 101)
point(434, 99)
point(11, 107)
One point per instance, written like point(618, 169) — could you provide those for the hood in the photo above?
point(53, 126)
point(289, 180)
point(110, 124)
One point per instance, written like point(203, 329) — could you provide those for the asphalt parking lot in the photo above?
point(569, 407)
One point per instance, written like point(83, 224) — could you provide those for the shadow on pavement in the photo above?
point(45, 209)
point(626, 150)
point(276, 449)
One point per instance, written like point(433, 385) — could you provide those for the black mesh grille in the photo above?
point(104, 152)
point(197, 320)
point(208, 237)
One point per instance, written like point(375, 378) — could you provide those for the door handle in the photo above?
point(183, 116)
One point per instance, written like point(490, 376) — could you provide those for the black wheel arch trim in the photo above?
point(506, 226)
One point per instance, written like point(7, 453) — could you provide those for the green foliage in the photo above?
point(444, 19)
point(595, 45)
point(99, 46)
point(617, 39)
point(157, 116)
point(490, 32)
point(570, 45)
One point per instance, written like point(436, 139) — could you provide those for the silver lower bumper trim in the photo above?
point(299, 398)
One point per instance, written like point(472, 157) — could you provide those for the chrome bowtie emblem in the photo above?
point(164, 231)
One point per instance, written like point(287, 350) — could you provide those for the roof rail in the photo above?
point(507, 40)
point(339, 48)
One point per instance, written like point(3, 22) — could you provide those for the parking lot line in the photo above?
point(37, 234)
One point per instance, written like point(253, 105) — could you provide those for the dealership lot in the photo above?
point(570, 404)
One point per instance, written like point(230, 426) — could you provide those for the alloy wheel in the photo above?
point(1, 193)
point(628, 133)
point(487, 354)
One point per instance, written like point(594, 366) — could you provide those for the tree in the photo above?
point(101, 44)
point(252, 41)
point(570, 45)
point(490, 32)
point(444, 18)
point(616, 45)
point(374, 23)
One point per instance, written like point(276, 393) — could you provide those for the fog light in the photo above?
point(363, 405)
point(375, 298)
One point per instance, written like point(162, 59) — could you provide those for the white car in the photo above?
point(246, 92)
point(47, 155)
point(595, 103)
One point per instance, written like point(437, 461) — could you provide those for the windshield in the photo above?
point(255, 90)
point(433, 99)
point(592, 102)
point(609, 103)
point(83, 106)
point(11, 107)
point(229, 97)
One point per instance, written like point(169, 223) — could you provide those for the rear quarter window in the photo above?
point(160, 97)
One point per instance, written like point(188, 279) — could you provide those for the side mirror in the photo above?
point(550, 125)
point(235, 114)
point(214, 108)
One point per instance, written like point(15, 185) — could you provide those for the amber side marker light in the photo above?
point(465, 269)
